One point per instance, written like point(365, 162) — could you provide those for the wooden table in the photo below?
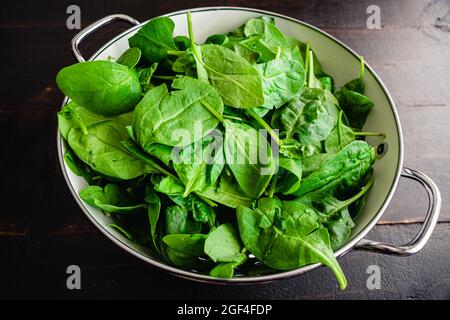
point(42, 230)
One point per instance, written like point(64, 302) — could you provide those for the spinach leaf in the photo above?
point(237, 81)
point(112, 198)
point(353, 101)
point(292, 240)
point(342, 172)
point(288, 117)
point(145, 76)
point(223, 245)
point(249, 157)
point(219, 39)
point(201, 212)
point(130, 58)
point(314, 162)
point(198, 165)
point(282, 80)
point(101, 148)
point(226, 269)
point(182, 42)
point(226, 192)
point(245, 52)
point(168, 185)
point(160, 115)
point(267, 38)
point(183, 249)
point(290, 180)
point(355, 105)
point(315, 124)
point(102, 87)
point(153, 211)
point(335, 214)
point(293, 149)
point(155, 39)
point(180, 220)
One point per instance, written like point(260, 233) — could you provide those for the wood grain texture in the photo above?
point(41, 225)
point(109, 273)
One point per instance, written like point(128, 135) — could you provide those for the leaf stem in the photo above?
point(339, 129)
point(348, 202)
point(361, 72)
point(308, 46)
point(206, 200)
point(226, 116)
point(273, 185)
point(212, 110)
point(175, 52)
point(264, 124)
point(278, 54)
point(310, 68)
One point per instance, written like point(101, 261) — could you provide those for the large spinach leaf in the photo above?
point(249, 157)
point(155, 39)
point(167, 118)
point(103, 87)
point(289, 240)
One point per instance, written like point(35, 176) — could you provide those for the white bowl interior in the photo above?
point(336, 60)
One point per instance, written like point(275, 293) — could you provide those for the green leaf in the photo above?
point(102, 150)
point(226, 192)
point(130, 58)
point(342, 172)
point(183, 249)
point(102, 87)
point(179, 220)
point(282, 80)
point(223, 245)
point(293, 240)
point(110, 199)
point(290, 181)
point(145, 77)
point(153, 212)
point(287, 118)
point(355, 105)
point(315, 124)
point(236, 80)
point(155, 39)
point(160, 115)
point(249, 157)
point(265, 37)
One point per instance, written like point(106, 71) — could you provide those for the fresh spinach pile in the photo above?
point(200, 199)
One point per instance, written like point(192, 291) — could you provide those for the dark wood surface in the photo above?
point(42, 230)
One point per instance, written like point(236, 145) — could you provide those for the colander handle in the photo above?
point(419, 241)
point(79, 37)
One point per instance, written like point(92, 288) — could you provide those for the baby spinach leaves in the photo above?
point(236, 80)
point(249, 157)
point(287, 235)
point(172, 140)
point(282, 80)
point(161, 114)
point(111, 198)
point(342, 172)
point(223, 244)
point(155, 39)
point(353, 101)
point(103, 87)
